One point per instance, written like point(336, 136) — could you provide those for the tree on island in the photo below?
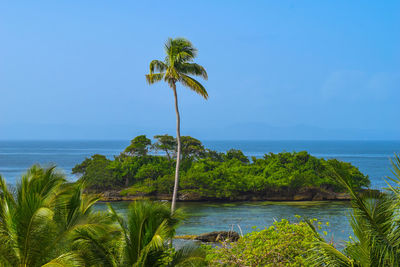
point(191, 147)
point(176, 67)
point(139, 146)
point(166, 143)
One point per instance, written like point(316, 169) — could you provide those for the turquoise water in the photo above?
point(242, 217)
point(372, 158)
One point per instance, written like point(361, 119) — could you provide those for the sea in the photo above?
point(371, 157)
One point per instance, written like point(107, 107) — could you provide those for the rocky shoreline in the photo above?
point(308, 194)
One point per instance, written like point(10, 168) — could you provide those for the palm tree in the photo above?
point(41, 220)
point(141, 239)
point(376, 225)
point(176, 67)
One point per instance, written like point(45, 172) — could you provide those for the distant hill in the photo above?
point(239, 131)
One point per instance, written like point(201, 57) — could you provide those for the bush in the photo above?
point(218, 175)
point(282, 244)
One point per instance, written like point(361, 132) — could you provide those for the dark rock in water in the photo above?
point(218, 236)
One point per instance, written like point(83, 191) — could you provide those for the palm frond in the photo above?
point(192, 69)
point(40, 223)
point(4, 192)
point(374, 220)
point(395, 162)
point(189, 255)
point(65, 260)
point(179, 50)
point(193, 85)
point(154, 77)
point(98, 245)
point(324, 254)
point(157, 65)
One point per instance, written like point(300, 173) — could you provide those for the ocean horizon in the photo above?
point(371, 157)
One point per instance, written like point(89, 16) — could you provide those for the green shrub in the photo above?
point(217, 175)
point(282, 244)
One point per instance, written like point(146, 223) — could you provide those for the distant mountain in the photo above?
point(261, 131)
point(239, 131)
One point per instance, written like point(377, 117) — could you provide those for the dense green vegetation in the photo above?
point(374, 219)
point(47, 221)
point(282, 244)
point(211, 174)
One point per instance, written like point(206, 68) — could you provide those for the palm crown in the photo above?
point(177, 66)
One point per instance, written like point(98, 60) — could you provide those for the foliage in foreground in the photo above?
point(211, 174)
point(41, 220)
point(376, 225)
point(282, 244)
point(47, 221)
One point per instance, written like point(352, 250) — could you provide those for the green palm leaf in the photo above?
point(375, 223)
point(194, 85)
point(42, 221)
point(176, 67)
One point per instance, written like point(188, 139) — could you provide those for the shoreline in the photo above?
point(130, 199)
point(309, 194)
point(252, 198)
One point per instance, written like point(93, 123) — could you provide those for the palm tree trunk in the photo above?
point(178, 150)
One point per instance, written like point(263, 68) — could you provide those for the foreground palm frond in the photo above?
point(50, 222)
point(139, 239)
point(145, 231)
point(188, 256)
point(40, 222)
point(375, 223)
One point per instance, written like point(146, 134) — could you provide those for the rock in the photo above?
point(303, 196)
point(330, 196)
point(218, 236)
point(324, 195)
point(276, 198)
point(318, 197)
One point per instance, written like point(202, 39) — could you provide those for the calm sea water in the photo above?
point(371, 157)
point(244, 217)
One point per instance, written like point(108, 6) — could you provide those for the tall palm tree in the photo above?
point(41, 220)
point(176, 67)
point(376, 225)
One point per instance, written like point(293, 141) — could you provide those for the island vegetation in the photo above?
point(146, 168)
point(47, 221)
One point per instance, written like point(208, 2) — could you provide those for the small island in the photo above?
point(146, 170)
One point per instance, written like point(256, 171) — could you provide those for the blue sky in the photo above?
point(277, 69)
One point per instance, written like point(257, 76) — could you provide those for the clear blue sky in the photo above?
point(277, 69)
